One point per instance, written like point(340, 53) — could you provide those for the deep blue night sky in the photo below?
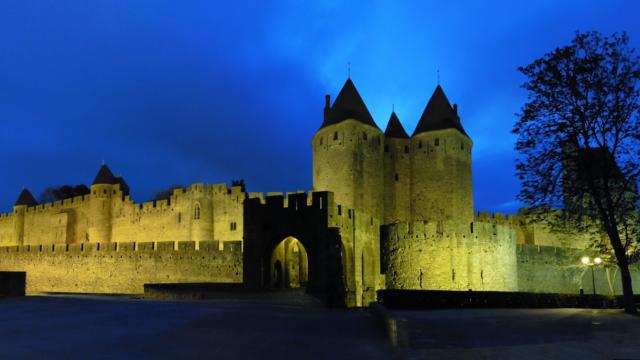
point(176, 92)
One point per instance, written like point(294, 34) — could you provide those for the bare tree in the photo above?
point(579, 142)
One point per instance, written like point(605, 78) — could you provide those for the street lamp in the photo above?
point(596, 261)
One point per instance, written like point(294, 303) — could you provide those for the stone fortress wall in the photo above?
point(199, 213)
point(123, 267)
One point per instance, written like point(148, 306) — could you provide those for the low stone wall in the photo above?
point(547, 269)
point(122, 268)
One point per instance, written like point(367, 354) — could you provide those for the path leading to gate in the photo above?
point(278, 325)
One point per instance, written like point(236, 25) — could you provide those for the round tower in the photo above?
point(348, 154)
point(25, 199)
point(102, 191)
point(441, 164)
point(397, 170)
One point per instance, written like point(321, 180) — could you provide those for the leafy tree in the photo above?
point(579, 142)
point(166, 193)
point(52, 194)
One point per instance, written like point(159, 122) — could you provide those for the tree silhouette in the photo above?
point(52, 194)
point(579, 142)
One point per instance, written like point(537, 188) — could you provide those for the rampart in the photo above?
point(122, 268)
point(450, 256)
point(550, 269)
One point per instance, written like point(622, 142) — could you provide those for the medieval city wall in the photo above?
point(450, 256)
point(550, 269)
point(199, 213)
point(122, 268)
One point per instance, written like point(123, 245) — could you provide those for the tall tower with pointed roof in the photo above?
point(348, 153)
point(397, 172)
point(102, 190)
point(441, 164)
point(348, 161)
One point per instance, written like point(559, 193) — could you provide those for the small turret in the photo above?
point(394, 128)
point(102, 190)
point(397, 170)
point(25, 199)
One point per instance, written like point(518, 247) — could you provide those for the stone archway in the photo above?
point(289, 264)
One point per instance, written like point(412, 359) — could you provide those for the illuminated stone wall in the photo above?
point(122, 267)
point(441, 176)
point(397, 180)
point(348, 160)
point(550, 269)
point(450, 256)
point(199, 212)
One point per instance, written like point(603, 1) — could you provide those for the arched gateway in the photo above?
point(289, 244)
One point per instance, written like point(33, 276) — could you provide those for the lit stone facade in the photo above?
point(387, 211)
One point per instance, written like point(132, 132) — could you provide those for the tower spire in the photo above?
point(348, 69)
point(438, 76)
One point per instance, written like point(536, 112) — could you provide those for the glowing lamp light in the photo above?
point(585, 260)
point(597, 260)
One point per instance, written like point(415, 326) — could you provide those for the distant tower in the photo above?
point(397, 172)
point(348, 154)
point(25, 200)
point(441, 164)
point(102, 191)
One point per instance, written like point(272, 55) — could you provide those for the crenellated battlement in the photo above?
point(231, 247)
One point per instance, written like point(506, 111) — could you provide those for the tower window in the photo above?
point(335, 135)
point(196, 212)
point(437, 142)
point(386, 148)
point(461, 146)
point(397, 177)
point(321, 141)
point(406, 149)
point(233, 226)
point(179, 218)
point(419, 144)
point(364, 136)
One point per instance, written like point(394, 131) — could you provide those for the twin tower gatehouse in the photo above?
point(387, 211)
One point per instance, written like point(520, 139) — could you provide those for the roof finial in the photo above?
point(102, 162)
point(438, 76)
point(348, 69)
point(393, 107)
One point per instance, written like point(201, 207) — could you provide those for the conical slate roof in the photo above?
point(25, 198)
point(104, 176)
point(348, 105)
point(439, 115)
point(394, 128)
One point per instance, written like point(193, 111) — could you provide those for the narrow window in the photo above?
point(437, 142)
point(419, 144)
point(364, 136)
point(349, 213)
point(196, 212)
point(406, 149)
point(233, 226)
point(335, 135)
point(339, 209)
point(386, 148)
point(397, 177)
point(461, 146)
point(104, 191)
point(179, 218)
point(321, 141)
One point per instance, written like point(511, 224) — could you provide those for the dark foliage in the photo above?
point(52, 194)
point(579, 142)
